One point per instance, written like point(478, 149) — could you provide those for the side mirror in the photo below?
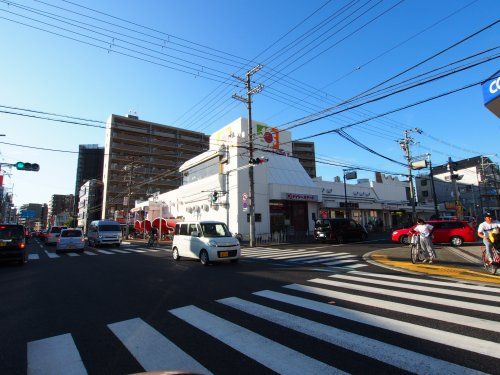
point(195, 234)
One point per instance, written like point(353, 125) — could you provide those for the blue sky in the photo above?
point(49, 73)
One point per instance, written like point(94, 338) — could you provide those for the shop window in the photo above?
point(423, 182)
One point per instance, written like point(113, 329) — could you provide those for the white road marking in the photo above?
point(448, 292)
point(55, 355)
point(276, 252)
point(120, 251)
point(291, 256)
point(105, 252)
point(399, 357)
point(357, 265)
point(153, 350)
point(41, 246)
point(33, 256)
point(431, 282)
point(411, 296)
point(51, 255)
point(444, 316)
point(465, 256)
point(125, 243)
point(308, 257)
point(331, 257)
point(339, 262)
point(89, 253)
point(271, 354)
point(455, 340)
point(137, 250)
point(72, 254)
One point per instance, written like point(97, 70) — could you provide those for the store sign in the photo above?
point(300, 197)
point(244, 201)
point(349, 205)
point(268, 136)
point(491, 95)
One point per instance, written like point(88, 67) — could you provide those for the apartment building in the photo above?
point(304, 151)
point(142, 158)
point(89, 203)
point(89, 167)
point(59, 204)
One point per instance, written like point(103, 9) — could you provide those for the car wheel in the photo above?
point(456, 241)
point(204, 259)
point(405, 240)
point(175, 254)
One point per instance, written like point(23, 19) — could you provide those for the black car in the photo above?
point(338, 230)
point(13, 243)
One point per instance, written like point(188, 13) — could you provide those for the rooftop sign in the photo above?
point(491, 95)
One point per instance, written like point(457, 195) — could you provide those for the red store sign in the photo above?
point(300, 197)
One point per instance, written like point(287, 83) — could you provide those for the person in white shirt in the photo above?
point(484, 229)
point(424, 232)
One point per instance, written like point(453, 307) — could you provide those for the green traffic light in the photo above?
point(20, 165)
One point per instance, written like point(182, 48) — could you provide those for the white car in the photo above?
point(53, 235)
point(71, 239)
point(208, 241)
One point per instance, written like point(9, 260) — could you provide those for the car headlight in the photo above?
point(212, 243)
point(395, 232)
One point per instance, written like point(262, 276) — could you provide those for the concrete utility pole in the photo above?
point(130, 168)
point(405, 146)
point(248, 101)
point(454, 177)
point(434, 195)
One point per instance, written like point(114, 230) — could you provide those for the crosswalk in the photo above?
point(325, 325)
point(309, 256)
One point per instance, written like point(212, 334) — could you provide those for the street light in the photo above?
point(349, 174)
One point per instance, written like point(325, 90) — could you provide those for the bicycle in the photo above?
point(416, 252)
point(493, 267)
point(153, 241)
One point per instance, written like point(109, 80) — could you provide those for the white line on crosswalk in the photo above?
point(411, 296)
point(340, 262)
point(269, 353)
point(33, 256)
point(120, 251)
point(347, 256)
point(153, 350)
point(390, 354)
point(105, 252)
point(51, 255)
point(72, 254)
point(357, 265)
point(308, 257)
point(331, 257)
point(89, 253)
point(402, 308)
point(432, 282)
point(275, 256)
point(276, 252)
point(137, 250)
point(455, 340)
point(448, 292)
point(54, 355)
point(309, 253)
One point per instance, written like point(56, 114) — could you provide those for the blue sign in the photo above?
point(491, 95)
point(28, 214)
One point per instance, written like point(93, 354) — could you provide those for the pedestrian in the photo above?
point(424, 232)
point(484, 230)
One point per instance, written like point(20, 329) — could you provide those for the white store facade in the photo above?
point(287, 200)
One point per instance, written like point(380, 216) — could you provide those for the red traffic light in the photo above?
point(260, 160)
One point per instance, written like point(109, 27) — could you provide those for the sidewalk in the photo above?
point(455, 262)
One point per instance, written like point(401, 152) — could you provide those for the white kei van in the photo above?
point(208, 241)
point(104, 232)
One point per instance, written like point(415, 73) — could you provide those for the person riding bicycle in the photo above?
point(424, 232)
point(153, 236)
point(483, 231)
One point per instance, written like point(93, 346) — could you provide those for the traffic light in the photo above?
point(215, 196)
point(256, 161)
point(22, 166)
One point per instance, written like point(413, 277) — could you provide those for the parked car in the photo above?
point(13, 243)
point(338, 230)
point(208, 241)
point(71, 239)
point(454, 232)
point(53, 235)
point(104, 232)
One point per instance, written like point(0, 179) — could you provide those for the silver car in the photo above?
point(71, 240)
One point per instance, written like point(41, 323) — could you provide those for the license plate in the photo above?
point(223, 254)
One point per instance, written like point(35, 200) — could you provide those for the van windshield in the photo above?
point(215, 230)
point(322, 224)
point(109, 228)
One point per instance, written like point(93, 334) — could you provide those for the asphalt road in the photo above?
point(291, 309)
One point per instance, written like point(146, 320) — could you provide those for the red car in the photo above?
point(453, 232)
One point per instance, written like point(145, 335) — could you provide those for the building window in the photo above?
point(425, 193)
point(423, 182)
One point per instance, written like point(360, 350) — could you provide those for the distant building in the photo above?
point(145, 155)
point(89, 167)
point(59, 204)
point(304, 151)
point(89, 206)
point(30, 213)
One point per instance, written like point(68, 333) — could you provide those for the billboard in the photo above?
point(491, 94)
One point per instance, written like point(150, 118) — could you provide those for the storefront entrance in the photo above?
point(290, 217)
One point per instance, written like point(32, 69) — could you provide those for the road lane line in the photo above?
point(271, 354)
point(33, 256)
point(470, 321)
point(393, 355)
point(412, 296)
point(153, 350)
point(73, 254)
point(448, 292)
point(450, 339)
point(120, 251)
point(432, 282)
point(89, 253)
point(51, 255)
point(308, 257)
point(105, 252)
point(56, 355)
point(277, 255)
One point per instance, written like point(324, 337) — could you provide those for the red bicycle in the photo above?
point(493, 267)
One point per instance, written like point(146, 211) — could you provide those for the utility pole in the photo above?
point(434, 196)
point(130, 168)
point(405, 146)
point(248, 100)
point(454, 177)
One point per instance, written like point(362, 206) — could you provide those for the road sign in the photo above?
point(244, 201)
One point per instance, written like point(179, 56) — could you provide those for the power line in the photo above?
point(53, 119)
point(51, 114)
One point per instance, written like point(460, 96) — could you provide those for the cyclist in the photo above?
point(483, 231)
point(424, 232)
point(153, 236)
